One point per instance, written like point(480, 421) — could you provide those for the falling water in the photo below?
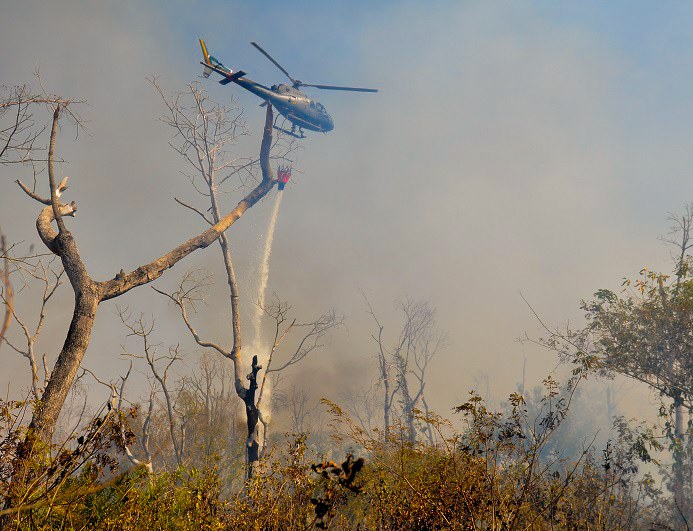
point(257, 345)
point(263, 275)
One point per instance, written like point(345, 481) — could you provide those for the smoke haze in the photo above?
point(512, 148)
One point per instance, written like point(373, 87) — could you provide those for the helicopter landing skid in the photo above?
point(291, 133)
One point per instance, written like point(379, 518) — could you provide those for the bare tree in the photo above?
point(19, 130)
point(296, 404)
point(211, 408)
point(311, 335)
point(203, 131)
point(51, 278)
point(90, 293)
point(402, 368)
point(420, 340)
point(680, 237)
point(390, 386)
point(142, 329)
point(146, 424)
point(363, 405)
point(115, 405)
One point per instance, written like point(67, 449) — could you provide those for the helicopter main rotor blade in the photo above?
point(332, 87)
point(275, 63)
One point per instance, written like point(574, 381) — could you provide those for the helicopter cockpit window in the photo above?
point(312, 104)
point(320, 107)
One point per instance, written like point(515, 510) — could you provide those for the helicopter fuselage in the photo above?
point(291, 102)
point(295, 105)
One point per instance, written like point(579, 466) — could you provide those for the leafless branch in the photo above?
point(186, 296)
point(19, 130)
point(313, 333)
point(142, 329)
point(51, 279)
point(201, 214)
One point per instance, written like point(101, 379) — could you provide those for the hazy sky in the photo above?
point(529, 147)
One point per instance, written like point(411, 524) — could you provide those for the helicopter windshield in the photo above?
point(320, 107)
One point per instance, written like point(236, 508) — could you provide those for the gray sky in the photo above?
point(513, 148)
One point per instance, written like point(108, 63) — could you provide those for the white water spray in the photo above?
point(257, 345)
point(263, 274)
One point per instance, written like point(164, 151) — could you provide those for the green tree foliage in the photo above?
point(645, 332)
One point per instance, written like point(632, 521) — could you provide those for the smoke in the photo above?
point(516, 151)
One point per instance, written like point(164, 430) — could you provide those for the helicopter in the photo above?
point(302, 111)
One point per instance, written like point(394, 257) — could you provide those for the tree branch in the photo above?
point(178, 301)
point(153, 270)
point(32, 194)
point(201, 214)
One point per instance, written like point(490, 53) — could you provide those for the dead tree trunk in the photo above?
point(419, 341)
point(679, 455)
point(89, 294)
point(384, 365)
point(252, 415)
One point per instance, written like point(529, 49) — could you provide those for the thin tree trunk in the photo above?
point(177, 447)
point(9, 296)
point(679, 455)
point(252, 415)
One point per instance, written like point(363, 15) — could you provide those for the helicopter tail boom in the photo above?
point(205, 55)
point(212, 64)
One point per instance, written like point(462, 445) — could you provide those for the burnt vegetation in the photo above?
point(227, 443)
